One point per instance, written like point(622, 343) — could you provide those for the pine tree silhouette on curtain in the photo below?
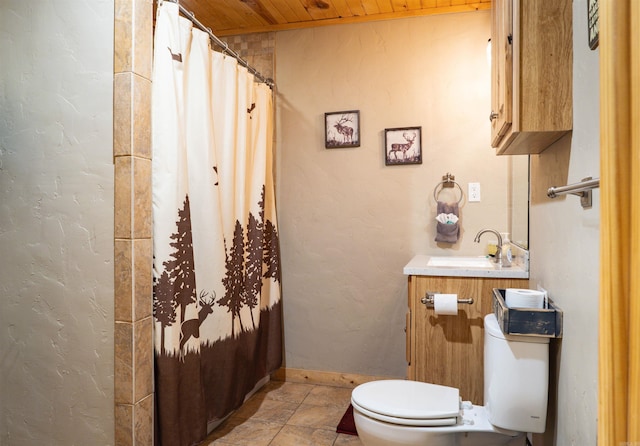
point(234, 278)
point(243, 280)
point(255, 230)
point(271, 252)
point(164, 305)
point(181, 268)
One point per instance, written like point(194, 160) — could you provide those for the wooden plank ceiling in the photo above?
point(229, 17)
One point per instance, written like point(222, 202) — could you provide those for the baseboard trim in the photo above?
point(336, 379)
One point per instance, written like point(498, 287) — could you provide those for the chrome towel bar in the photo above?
point(581, 189)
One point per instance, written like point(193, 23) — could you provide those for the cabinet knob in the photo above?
point(493, 115)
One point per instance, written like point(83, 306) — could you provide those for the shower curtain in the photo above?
point(216, 294)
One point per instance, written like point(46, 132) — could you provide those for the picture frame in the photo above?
point(403, 145)
point(342, 129)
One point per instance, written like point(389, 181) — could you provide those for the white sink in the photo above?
point(460, 262)
point(460, 266)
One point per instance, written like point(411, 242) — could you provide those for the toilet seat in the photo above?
point(409, 403)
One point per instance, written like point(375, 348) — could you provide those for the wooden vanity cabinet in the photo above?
point(531, 74)
point(448, 350)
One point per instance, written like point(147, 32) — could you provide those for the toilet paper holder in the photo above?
point(428, 299)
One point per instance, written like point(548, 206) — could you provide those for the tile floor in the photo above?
point(287, 414)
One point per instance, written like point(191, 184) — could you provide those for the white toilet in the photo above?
point(412, 413)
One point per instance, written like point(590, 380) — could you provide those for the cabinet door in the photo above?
point(448, 350)
point(531, 74)
point(501, 70)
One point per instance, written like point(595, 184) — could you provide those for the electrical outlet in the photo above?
point(474, 191)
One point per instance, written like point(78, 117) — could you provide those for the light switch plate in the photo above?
point(474, 191)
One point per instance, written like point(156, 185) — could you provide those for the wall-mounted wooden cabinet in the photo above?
point(448, 350)
point(531, 74)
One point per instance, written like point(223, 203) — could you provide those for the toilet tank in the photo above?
point(516, 379)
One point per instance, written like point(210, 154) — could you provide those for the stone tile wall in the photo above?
point(257, 49)
point(133, 223)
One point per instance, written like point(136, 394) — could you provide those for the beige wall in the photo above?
point(349, 223)
point(56, 220)
point(564, 251)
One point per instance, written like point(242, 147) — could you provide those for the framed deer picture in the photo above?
point(342, 129)
point(403, 146)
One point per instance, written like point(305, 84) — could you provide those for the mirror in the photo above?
point(518, 199)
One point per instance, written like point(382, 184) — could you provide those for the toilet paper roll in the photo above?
point(445, 304)
point(523, 298)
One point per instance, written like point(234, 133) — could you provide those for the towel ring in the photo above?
point(442, 183)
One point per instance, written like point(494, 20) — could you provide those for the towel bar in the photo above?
point(581, 189)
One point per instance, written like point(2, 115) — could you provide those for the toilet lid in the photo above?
point(408, 399)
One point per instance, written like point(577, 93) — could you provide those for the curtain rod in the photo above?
point(222, 44)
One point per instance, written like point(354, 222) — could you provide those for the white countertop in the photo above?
point(419, 266)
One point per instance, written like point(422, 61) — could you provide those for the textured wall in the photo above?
point(348, 222)
point(564, 251)
point(56, 220)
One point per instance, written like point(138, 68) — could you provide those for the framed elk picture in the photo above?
point(403, 146)
point(342, 129)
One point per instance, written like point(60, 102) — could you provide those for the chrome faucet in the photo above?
point(498, 257)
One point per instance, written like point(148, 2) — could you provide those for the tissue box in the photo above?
point(545, 322)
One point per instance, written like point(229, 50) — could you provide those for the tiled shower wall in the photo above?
point(257, 49)
point(133, 49)
point(132, 226)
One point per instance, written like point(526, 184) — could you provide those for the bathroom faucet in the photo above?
point(498, 256)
